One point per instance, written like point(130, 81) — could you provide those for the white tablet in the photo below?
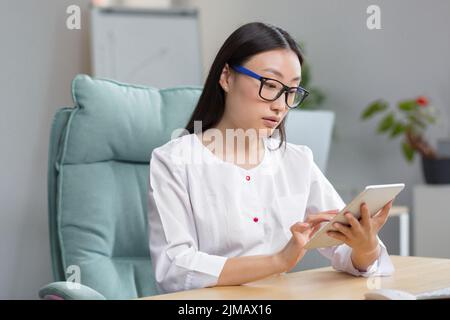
point(376, 197)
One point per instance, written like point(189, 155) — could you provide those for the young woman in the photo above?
point(226, 213)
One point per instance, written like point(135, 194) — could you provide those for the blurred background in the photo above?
point(350, 66)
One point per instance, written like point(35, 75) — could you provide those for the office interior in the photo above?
point(358, 52)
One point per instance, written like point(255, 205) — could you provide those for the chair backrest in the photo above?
point(98, 179)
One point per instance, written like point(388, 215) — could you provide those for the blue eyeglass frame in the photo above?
point(248, 72)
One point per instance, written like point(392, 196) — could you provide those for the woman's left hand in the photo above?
point(361, 235)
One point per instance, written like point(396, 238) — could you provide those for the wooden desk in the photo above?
point(413, 274)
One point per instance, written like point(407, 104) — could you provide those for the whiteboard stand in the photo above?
point(154, 47)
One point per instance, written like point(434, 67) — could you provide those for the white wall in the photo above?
point(39, 57)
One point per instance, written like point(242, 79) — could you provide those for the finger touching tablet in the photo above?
point(375, 196)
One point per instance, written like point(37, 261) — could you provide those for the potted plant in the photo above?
point(316, 97)
point(410, 121)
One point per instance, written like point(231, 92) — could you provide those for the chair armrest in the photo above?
point(68, 291)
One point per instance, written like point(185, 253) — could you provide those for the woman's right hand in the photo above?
point(294, 250)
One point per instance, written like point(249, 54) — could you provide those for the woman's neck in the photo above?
point(242, 147)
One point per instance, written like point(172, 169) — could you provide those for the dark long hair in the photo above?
point(241, 45)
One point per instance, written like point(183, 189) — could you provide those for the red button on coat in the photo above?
point(255, 219)
point(247, 178)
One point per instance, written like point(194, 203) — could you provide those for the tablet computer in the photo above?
point(375, 196)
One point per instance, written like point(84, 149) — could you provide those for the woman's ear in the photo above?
point(225, 78)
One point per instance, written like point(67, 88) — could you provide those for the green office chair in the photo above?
point(97, 186)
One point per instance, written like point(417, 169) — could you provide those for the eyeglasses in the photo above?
point(271, 89)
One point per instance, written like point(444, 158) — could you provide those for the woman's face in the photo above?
point(244, 108)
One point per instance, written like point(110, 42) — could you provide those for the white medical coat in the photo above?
point(203, 210)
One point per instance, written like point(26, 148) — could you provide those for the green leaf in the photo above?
point(306, 75)
point(386, 123)
point(407, 105)
point(397, 129)
point(408, 152)
point(314, 100)
point(373, 108)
